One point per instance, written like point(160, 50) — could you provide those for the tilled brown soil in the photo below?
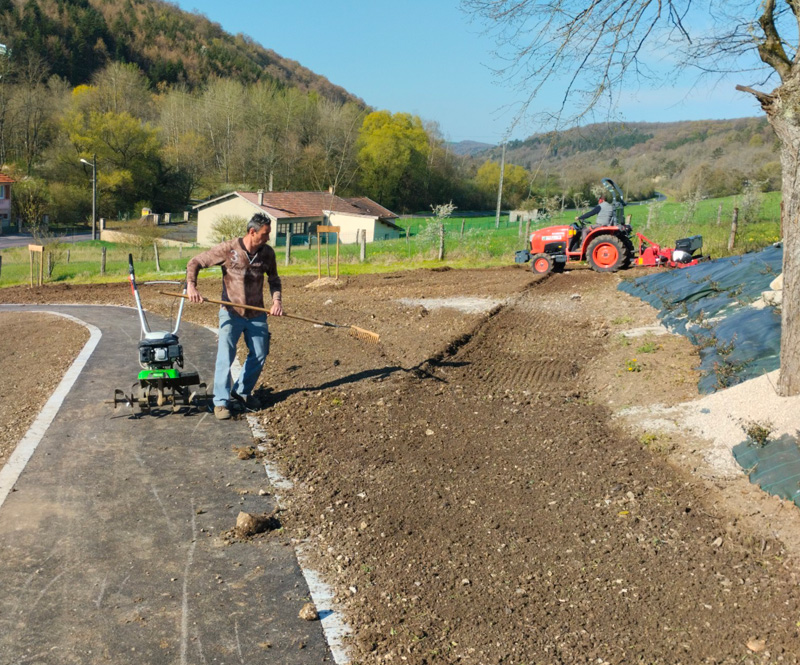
point(465, 489)
point(35, 351)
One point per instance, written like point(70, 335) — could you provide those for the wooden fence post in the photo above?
point(327, 230)
point(719, 214)
point(158, 261)
point(68, 251)
point(362, 238)
point(102, 260)
point(288, 248)
point(180, 252)
point(319, 255)
point(36, 249)
point(734, 226)
point(49, 265)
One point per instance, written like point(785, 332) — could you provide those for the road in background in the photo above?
point(24, 239)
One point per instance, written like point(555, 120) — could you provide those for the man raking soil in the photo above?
point(244, 263)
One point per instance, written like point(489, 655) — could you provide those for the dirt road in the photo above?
point(467, 490)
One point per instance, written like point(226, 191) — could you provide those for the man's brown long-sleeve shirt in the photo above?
point(242, 273)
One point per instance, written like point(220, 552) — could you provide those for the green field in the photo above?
point(480, 244)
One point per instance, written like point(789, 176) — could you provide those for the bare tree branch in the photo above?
point(591, 51)
point(771, 49)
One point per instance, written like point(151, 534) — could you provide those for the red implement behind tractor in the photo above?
point(606, 246)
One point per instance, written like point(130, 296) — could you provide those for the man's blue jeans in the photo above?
point(256, 336)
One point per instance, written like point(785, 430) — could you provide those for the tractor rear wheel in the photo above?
point(607, 253)
point(542, 264)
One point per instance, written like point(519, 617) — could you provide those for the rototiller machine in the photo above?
point(161, 383)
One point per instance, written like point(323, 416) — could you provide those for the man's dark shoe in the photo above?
point(249, 402)
point(222, 413)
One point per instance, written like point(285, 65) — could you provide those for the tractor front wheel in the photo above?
point(607, 253)
point(542, 264)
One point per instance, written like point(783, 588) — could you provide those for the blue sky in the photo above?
point(427, 58)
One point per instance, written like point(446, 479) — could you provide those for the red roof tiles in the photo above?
point(292, 205)
point(369, 206)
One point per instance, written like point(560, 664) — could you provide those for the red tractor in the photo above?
point(607, 245)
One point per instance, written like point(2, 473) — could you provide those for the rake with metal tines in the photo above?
point(355, 331)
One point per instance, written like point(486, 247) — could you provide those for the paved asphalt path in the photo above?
point(25, 239)
point(109, 541)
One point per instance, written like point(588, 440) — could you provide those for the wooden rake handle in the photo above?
point(357, 332)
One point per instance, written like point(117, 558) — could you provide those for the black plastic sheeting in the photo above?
point(775, 467)
point(710, 303)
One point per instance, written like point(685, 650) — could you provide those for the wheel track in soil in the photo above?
point(513, 349)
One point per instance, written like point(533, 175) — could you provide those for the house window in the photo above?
point(283, 228)
point(298, 228)
point(2, 191)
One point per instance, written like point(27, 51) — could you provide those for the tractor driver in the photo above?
point(605, 215)
point(244, 263)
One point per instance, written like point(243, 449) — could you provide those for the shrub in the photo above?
point(228, 227)
point(143, 234)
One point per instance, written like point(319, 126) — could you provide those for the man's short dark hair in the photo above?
point(257, 221)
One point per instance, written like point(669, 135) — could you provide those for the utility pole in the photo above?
point(93, 164)
point(500, 187)
point(94, 197)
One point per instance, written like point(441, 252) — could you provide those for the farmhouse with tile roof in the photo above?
point(299, 213)
point(5, 203)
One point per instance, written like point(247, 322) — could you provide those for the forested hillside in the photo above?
point(705, 158)
point(175, 110)
point(77, 38)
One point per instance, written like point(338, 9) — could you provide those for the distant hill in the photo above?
point(469, 148)
point(79, 37)
point(714, 157)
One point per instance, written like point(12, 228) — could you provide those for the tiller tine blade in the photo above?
point(121, 398)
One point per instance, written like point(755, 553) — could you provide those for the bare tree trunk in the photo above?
point(788, 131)
point(158, 261)
point(719, 214)
point(288, 248)
point(441, 242)
point(362, 237)
point(103, 261)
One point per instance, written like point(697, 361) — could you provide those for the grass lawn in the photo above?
point(469, 242)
